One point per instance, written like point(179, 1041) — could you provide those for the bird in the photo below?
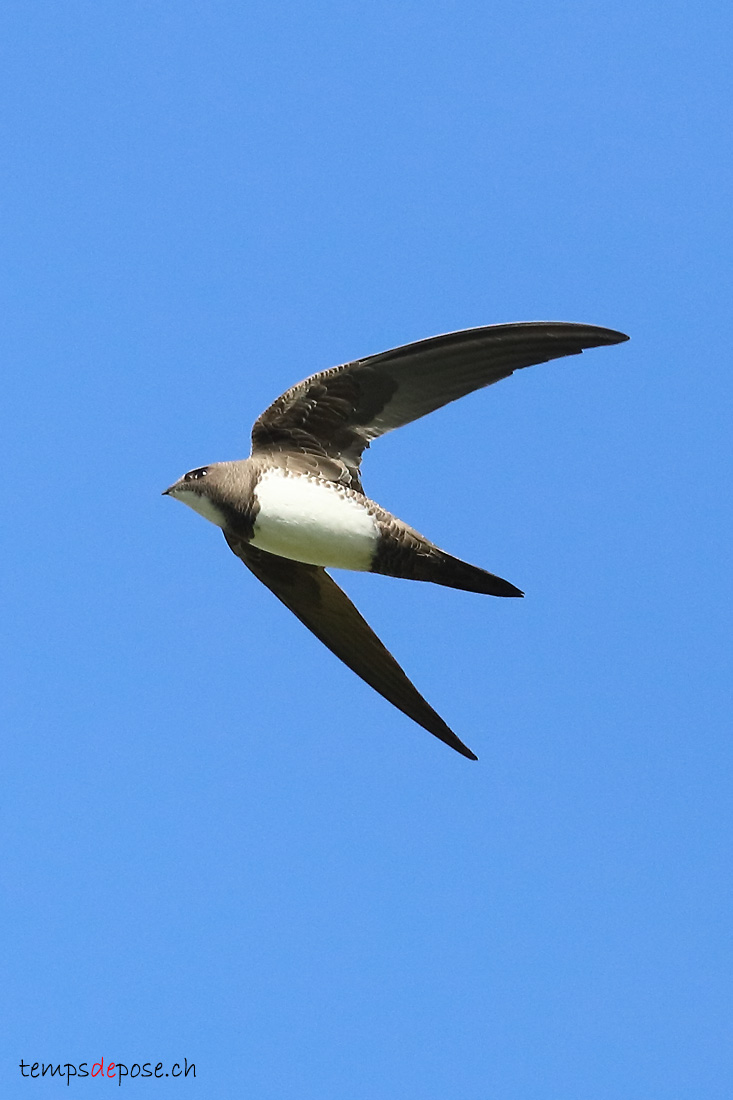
point(296, 507)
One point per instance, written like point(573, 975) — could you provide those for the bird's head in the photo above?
point(208, 490)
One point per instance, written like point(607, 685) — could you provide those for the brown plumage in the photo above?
point(297, 505)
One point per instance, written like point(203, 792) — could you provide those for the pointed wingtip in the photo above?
point(611, 336)
point(455, 742)
point(433, 723)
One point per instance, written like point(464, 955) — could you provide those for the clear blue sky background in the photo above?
point(218, 843)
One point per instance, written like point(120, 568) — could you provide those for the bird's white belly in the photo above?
point(313, 522)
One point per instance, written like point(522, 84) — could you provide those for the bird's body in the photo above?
point(319, 522)
point(297, 507)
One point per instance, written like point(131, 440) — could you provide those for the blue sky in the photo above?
point(219, 844)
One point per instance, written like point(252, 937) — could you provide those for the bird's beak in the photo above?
point(167, 492)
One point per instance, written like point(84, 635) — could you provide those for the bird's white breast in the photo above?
point(312, 521)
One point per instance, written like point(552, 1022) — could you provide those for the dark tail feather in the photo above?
point(441, 568)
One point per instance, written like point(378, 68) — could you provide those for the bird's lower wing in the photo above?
point(315, 598)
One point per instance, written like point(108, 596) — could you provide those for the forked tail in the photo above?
point(425, 562)
point(442, 568)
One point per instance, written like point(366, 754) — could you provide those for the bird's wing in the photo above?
point(335, 414)
point(315, 598)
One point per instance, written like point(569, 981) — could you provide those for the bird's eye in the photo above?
point(194, 475)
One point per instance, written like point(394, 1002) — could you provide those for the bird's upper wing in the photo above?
point(315, 598)
point(335, 414)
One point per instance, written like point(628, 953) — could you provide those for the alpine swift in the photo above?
point(296, 506)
